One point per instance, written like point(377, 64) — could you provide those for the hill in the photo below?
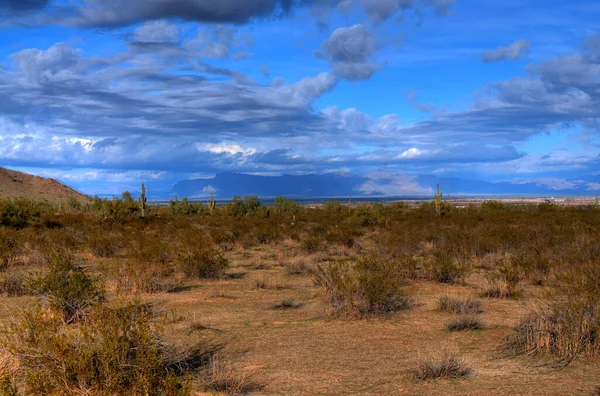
point(15, 184)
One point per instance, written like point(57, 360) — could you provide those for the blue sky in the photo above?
point(105, 94)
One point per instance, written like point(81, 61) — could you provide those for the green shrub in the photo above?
point(282, 205)
point(19, 212)
point(242, 207)
point(185, 207)
point(69, 290)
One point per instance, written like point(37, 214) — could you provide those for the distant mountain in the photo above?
point(15, 184)
point(226, 185)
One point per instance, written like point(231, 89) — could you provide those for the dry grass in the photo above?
point(465, 322)
point(461, 306)
point(221, 377)
point(445, 364)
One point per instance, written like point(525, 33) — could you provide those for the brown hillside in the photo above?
point(15, 184)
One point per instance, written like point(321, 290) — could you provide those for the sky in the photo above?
point(106, 94)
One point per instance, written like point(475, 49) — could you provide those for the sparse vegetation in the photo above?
point(245, 269)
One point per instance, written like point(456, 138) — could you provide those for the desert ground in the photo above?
point(248, 299)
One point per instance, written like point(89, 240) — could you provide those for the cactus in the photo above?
point(142, 200)
point(211, 203)
point(438, 201)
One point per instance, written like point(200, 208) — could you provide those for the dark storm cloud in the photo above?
point(348, 49)
point(22, 5)
point(120, 13)
point(116, 13)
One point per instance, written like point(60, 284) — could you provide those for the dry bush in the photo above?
point(288, 303)
point(444, 267)
point(503, 283)
point(461, 306)
point(344, 235)
point(298, 266)
point(261, 283)
point(221, 377)
point(104, 244)
point(132, 275)
point(465, 322)
point(566, 322)
point(202, 262)
point(312, 243)
point(444, 364)
point(115, 350)
point(534, 264)
point(14, 285)
point(369, 286)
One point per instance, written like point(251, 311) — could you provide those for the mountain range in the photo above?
point(227, 184)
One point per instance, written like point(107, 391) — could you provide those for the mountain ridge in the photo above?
point(15, 184)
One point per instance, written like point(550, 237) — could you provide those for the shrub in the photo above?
point(298, 267)
point(504, 283)
point(185, 207)
point(260, 283)
point(465, 322)
point(282, 205)
point(312, 243)
point(203, 262)
point(493, 205)
point(220, 377)
point(370, 286)
point(288, 303)
point(103, 244)
point(566, 322)
point(19, 212)
point(243, 207)
point(343, 235)
point(114, 351)
point(8, 247)
point(137, 276)
point(446, 364)
point(117, 210)
point(462, 306)
point(14, 285)
point(443, 267)
point(68, 289)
